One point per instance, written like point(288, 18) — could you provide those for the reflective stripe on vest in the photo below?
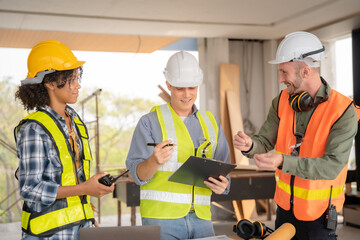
point(48, 223)
point(316, 194)
point(207, 119)
point(161, 198)
point(311, 197)
point(172, 197)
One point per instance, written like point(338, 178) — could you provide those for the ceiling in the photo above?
point(107, 25)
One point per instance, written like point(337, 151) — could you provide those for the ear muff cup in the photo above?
point(301, 102)
point(247, 230)
point(259, 229)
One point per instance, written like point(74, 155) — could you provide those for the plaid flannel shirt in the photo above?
point(40, 170)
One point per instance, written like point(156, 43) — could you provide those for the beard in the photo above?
point(294, 86)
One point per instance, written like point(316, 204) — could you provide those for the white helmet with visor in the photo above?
point(300, 46)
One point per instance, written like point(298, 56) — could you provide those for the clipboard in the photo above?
point(195, 170)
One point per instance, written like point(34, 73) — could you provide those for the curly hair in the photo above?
point(34, 96)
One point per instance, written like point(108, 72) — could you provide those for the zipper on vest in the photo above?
point(292, 180)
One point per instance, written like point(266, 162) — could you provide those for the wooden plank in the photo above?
point(222, 207)
point(230, 108)
point(249, 209)
point(231, 121)
point(229, 80)
point(164, 97)
point(164, 94)
point(237, 210)
point(236, 123)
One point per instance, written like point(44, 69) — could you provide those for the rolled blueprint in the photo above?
point(284, 232)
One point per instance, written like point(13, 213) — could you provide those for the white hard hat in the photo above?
point(300, 46)
point(183, 70)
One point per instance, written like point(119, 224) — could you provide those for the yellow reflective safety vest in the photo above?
point(163, 199)
point(55, 219)
point(309, 199)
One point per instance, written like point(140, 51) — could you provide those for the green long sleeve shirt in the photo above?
point(338, 145)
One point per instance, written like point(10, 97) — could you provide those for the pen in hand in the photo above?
point(154, 144)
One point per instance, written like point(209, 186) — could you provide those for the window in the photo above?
point(344, 78)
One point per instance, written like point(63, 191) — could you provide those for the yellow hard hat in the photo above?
point(51, 55)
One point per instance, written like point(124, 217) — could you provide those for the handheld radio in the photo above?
point(107, 180)
point(331, 215)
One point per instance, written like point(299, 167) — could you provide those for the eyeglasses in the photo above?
point(203, 151)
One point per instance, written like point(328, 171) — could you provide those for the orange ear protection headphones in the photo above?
point(247, 230)
point(300, 102)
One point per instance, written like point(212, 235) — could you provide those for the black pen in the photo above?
point(154, 144)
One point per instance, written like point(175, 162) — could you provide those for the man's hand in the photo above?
point(242, 141)
point(269, 161)
point(93, 188)
point(162, 153)
point(217, 186)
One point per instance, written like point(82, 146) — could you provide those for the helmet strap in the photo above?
point(37, 79)
point(302, 56)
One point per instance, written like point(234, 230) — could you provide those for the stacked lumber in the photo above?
point(231, 121)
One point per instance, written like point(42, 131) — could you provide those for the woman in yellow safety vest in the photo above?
point(53, 148)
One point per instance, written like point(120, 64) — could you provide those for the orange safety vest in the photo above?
point(310, 198)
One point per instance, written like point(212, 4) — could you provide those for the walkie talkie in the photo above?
point(331, 215)
point(107, 180)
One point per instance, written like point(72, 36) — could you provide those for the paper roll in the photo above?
point(284, 232)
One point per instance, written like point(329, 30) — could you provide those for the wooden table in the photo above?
point(245, 184)
point(249, 184)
